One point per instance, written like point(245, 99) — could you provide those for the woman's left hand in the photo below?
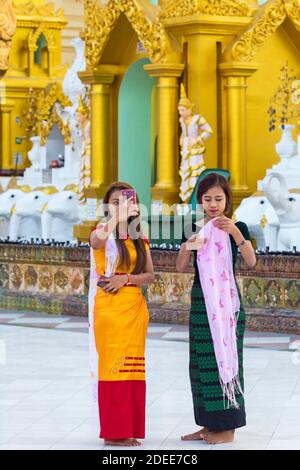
point(225, 224)
point(115, 283)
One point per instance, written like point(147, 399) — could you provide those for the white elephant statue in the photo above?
point(29, 209)
point(3, 222)
point(261, 219)
point(60, 215)
point(8, 200)
point(286, 203)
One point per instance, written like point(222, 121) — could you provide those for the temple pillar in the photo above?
point(6, 162)
point(234, 129)
point(166, 188)
point(101, 130)
point(101, 90)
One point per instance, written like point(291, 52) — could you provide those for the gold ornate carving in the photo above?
point(100, 21)
point(30, 9)
point(293, 11)
point(8, 26)
point(35, 34)
point(176, 8)
point(47, 125)
point(42, 113)
point(265, 23)
point(83, 119)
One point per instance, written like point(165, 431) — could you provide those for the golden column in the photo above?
point(166, 187)
point(5, 135)
point(234, 77)
point(101, 90)
point(101, 130)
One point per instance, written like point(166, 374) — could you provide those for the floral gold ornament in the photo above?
point(296, 100)
point(83, 119)
point(29, 8)
point(45, 279)
point(61, 279)
point(4, 275)
point(283, 108)
point(35, 34)
point(180, 8)
point(100, 21)
point(29, 113)
point(42, 112)
point(76, 279)
point(16, 276)
point(268, 18)
point(31, 277)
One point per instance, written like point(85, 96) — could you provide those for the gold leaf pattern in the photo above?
point(100, 21)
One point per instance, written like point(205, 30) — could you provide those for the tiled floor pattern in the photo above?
point(45, 390)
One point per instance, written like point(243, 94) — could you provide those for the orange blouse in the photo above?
point(100, 257)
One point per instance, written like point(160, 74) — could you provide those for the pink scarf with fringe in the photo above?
point(222, 303)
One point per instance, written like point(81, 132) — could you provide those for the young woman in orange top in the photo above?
point(120, 319)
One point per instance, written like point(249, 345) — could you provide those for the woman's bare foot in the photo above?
point(219, 437)
point(195, 436)
point(122, 442)
point(135, 442)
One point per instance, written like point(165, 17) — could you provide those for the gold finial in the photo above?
point(184, 101)
point(82, 107)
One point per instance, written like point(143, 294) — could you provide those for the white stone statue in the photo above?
point(8, 200)
point(260, 216)
point(75, 90)
point(60, 215)
point(195, 131)
point(289, 160)
point(37, 156)
point(72, 85)
point(29, 209)
point(286, 203)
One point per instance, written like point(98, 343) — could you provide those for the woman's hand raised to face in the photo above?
point(195, 242)
point(126, 209)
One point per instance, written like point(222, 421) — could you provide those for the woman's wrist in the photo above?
point(237, 235)
point(101, 231)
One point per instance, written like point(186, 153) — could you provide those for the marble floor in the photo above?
point(45, 391)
